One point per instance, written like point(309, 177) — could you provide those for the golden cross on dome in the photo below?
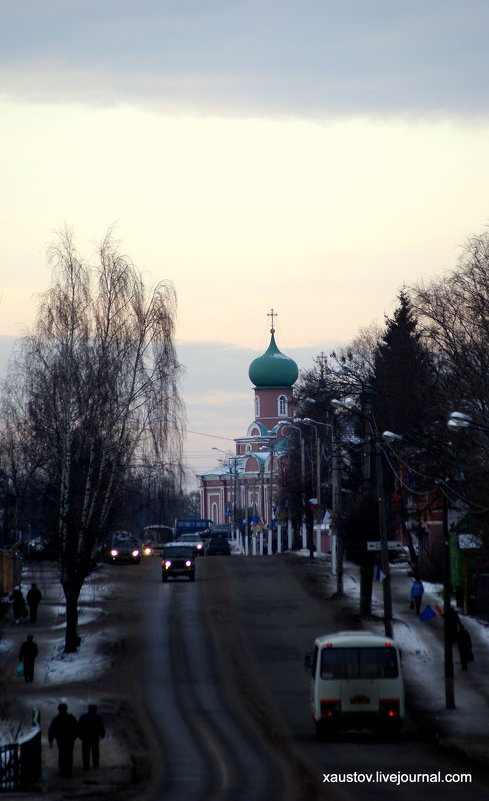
point(272, 314)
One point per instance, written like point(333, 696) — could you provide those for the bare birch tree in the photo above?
point(98, 383)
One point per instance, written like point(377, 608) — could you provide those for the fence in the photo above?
point(20, 763)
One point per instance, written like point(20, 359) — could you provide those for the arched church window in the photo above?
point(282, 406)
point(257, 406)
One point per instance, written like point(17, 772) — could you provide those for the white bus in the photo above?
point(356, 683)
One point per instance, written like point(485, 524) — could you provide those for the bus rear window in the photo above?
point(359, 663)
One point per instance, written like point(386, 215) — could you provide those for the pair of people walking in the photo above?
point(19, 606)
point(66, 729)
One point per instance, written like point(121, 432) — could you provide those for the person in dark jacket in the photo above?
point(34, 598)
point(91, 730)
point(464, 643)
point(18, 604)
point(64, 729)
point(27, 655)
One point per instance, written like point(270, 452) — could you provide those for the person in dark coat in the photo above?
point(91, 730)
point(64, 729)
point(27, 655)
point(34, 598)
point(18, 604)
point(464, 643)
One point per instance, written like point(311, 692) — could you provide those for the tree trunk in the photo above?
point(72, 593)
point(366, 581)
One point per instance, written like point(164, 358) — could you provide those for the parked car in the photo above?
point(195, 540)
point(178, 559)
point(218, 546)
point(123, 548)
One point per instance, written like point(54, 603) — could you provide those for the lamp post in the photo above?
point(386, 583)
point(447, 606)
point(336, 535)
point(228, 463)
point(303, 461)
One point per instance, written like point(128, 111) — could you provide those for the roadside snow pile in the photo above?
point(89, 661)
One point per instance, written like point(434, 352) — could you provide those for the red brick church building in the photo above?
point(248, 481)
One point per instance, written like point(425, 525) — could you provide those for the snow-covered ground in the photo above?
point(421, 644)
point(55, 667)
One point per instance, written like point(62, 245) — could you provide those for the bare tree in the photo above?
point(453, 315)
point(98, 381)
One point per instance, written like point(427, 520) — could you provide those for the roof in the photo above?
point(353, 639)
point(273, 370)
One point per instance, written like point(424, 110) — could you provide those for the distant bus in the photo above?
point(191, 525)
point(154, 537)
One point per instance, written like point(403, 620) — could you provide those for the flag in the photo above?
point(313, 502)
point(438, 609)
point(427, 614)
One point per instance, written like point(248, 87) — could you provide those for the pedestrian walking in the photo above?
point(91, 730)
point(464, 643)
point(34, 598)
point(18, 604)
point(27, 655)
point(417, 591)
point(64, 729)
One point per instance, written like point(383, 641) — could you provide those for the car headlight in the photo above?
point(148, 551)
point(135, 552)
point(188, 563)
point(167, 564)
point(114, 552)
point(199, 546)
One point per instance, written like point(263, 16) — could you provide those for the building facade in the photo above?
point(246, 486)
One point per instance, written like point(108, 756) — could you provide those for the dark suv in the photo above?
point(218, 545)
point(178, 559)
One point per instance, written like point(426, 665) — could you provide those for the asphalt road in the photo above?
point(228, 697)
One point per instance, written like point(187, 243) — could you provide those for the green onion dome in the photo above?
point(273, 369)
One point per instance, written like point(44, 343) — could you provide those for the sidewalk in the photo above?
point(73, 679)
point(465, 728)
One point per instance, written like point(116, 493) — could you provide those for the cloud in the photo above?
point(313, 57)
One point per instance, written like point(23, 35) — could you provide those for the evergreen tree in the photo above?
point(403, 400)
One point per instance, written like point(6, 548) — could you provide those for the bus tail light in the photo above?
point(330, 708)
point(390, 707)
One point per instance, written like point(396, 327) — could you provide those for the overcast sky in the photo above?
point(312, 156)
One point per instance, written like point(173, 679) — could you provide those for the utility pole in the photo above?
point(336, 510)
point(447, 612)
point(386, 581)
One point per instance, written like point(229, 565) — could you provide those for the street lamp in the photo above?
point(387, 589)
point(336, 535)
point(447, 606)
point(460, 420)
point(303, 468)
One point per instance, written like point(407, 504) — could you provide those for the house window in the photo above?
point(282, 406)
point(257, 406)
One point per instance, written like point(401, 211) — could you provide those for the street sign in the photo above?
point(392, 545)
